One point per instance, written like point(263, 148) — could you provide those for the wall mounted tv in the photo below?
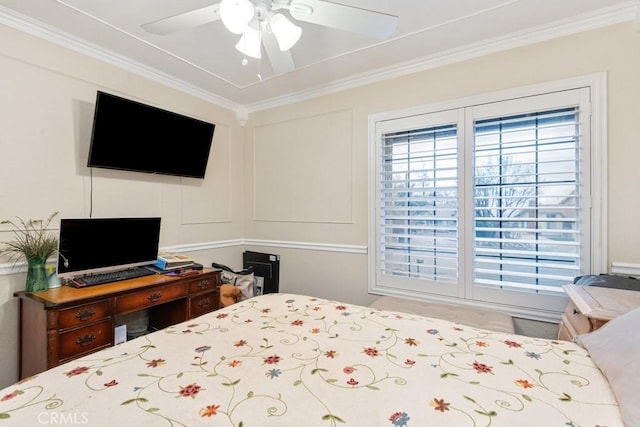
point(128, 135)
point(100, 245)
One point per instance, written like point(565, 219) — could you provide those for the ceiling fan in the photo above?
point(259, 22)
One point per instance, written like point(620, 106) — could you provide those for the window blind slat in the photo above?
point(485, 201)
point(526, 181)
point(419, 203)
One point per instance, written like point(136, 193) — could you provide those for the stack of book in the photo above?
point(167, 261)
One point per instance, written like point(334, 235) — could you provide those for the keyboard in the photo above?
point(112, 276)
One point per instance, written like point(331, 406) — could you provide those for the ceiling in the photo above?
point(203, 60)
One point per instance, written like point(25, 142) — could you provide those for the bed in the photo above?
point(294, 360)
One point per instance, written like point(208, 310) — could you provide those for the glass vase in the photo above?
point(36, 275)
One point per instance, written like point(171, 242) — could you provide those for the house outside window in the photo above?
point(489, 201)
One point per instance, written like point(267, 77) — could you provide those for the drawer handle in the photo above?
point(155, 296)
point(86, 340)
point(85, 314)
point(203, 284)
point(204, 303)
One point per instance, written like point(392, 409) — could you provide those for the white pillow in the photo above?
point(615, 348)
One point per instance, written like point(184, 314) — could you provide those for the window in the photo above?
point(419, 198)
point(488, 202)
point(526, 199)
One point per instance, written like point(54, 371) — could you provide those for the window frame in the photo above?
point(523, 304)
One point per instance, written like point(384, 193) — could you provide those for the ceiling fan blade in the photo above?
point(342, 17)
point(182, 21)
point(281, 62)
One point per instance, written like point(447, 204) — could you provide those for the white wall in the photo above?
point(47, 96)
point(308, 212)
point(299, 193)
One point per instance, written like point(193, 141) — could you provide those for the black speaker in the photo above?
point(266, 268)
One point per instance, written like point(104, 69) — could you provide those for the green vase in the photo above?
point(36, 275)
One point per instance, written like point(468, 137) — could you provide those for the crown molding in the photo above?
point(65, 40)
point(628, 11)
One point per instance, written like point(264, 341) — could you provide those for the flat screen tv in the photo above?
point(128, 135)
point(99, 245)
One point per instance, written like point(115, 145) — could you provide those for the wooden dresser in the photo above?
point(61, 324)
point(590, 307)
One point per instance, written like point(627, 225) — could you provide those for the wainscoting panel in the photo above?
point(303, 170)
point(209, 200)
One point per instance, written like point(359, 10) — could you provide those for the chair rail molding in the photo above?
point(21, 267)
point(626, 269)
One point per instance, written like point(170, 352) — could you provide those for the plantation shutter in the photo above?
point(489, 202)
point(418, 203)
point(526, 199)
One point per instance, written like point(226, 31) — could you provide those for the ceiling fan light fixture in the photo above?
point(236, 14)
point(249, 43)
point(286, 32)
point(297, 8)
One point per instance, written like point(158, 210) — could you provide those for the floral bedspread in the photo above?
point(293, 360)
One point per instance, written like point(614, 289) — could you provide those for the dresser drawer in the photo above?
point(576, 321)
point(206, 283)
point(84, 314)
point(150, 297)
point(565, 330)
point(202, 304)
point(85, 340)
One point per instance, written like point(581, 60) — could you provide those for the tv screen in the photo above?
point(129, 135)
point(97, 245)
